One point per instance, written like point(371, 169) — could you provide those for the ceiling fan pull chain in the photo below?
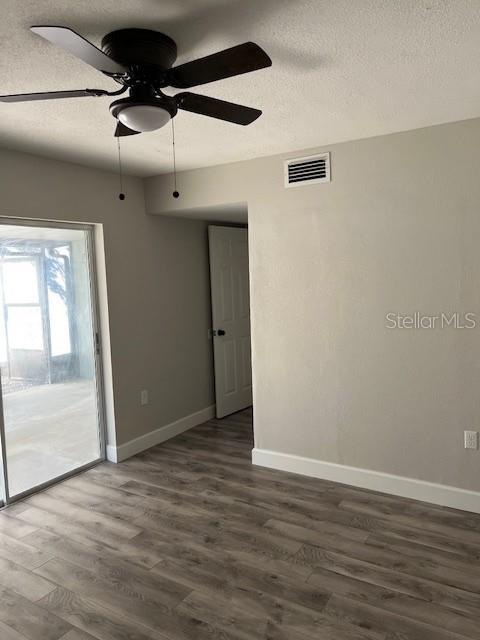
point(175, 192)
point(121, 195)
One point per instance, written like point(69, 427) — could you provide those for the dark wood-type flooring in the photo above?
point(188, 541)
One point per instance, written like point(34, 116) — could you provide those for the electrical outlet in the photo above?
point(471, 439)
point(144, 397)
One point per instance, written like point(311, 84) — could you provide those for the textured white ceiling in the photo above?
point(342, 69)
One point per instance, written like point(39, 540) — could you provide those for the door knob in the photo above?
point(220, 332)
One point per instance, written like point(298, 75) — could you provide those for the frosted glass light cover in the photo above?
point(144, 117)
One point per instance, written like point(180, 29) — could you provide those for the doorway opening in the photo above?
point(230, 292)
point(51, 423)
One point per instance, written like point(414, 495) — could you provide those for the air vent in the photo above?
point(309, 170)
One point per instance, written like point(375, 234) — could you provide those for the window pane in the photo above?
point(55, 262)
point(49, 385)
point(3, 331)
point(59, 326)
point(25, 330)
point(20, 281)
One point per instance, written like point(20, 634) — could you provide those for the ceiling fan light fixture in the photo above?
point(144, 117)
point(141, 116)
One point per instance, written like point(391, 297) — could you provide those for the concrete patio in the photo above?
point(50, 430)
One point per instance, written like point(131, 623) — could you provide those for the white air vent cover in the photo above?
point(309, 170)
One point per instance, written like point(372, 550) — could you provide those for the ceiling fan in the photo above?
point(141, 60)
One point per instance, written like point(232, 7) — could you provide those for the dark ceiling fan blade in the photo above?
point(53, 95)
point(231, 62)
point(122, 130)
point(76, 44)
point(214, 108)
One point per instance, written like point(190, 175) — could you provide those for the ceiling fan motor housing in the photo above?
point(141, 60)
point(142, 47)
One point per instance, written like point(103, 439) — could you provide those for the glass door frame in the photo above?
point(89, 229)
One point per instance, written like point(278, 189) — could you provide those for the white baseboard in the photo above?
point(130, 448)
point(440, 494)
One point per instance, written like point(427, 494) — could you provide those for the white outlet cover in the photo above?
point(471, 439)
point(144, 397)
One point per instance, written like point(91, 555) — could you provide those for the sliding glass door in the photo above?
point(50, 374)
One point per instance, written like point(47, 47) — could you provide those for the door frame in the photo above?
point(214, 336)
point(96, 340)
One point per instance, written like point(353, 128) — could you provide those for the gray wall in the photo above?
point(397, 229)
point(158, 286)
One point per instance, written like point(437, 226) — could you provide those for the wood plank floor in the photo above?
point(188, 541)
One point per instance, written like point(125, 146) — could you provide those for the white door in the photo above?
point(231, 318)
